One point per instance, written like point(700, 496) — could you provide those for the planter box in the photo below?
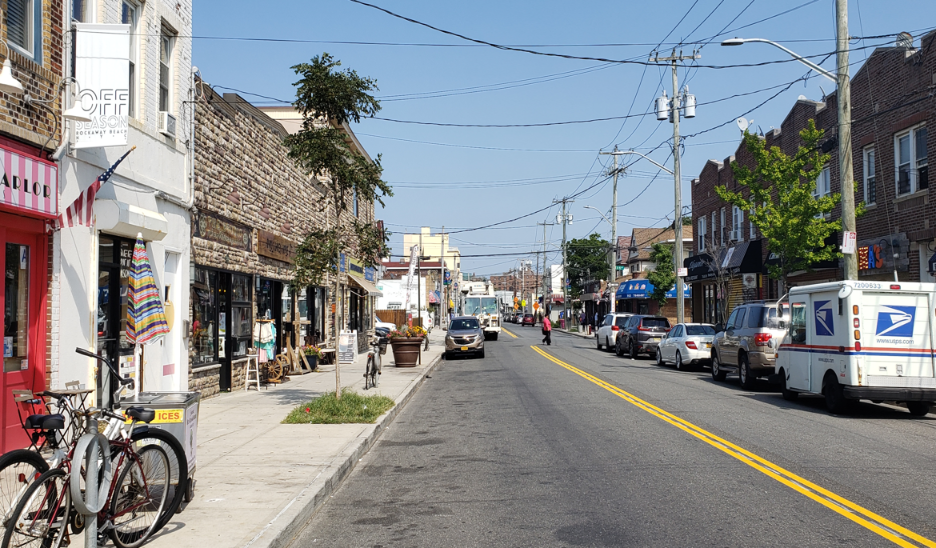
point(406, 351)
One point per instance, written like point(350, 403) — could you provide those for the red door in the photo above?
point(23, 261)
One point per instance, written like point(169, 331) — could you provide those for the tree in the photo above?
point(587, 259)
point(663, 276)
point(328, 99)
point(780, 196)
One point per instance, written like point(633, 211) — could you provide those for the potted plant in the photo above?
point(312, 354)
point(405, 343)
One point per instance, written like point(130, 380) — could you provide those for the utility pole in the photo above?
point(543, 276)
point(674, 117)
point(843, 99)
point(564, 219)
point(613, 252)
point(443, 300)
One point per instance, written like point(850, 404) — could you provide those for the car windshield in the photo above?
point(700, 330)
point(462, 324)
point(655, 322)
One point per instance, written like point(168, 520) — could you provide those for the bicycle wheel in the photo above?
point(178, 466)
point(368, 373)
point(18, 469)
point(41, 516)
point(138, 500)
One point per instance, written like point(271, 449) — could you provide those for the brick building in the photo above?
point(253, 207)
point(631, 295)
point(892, 106)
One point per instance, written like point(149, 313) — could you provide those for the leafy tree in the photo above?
point(663, 276)
point(328, 99)
point(587, 259)
point(780, 195)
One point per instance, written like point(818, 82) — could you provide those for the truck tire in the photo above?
point(787, 394)
point(494, 336)
point(918, 408)
point(834, 395)
point(718, 373)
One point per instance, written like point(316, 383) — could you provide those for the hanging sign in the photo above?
point(102, 66)
point(28, 184)
point(849, 241)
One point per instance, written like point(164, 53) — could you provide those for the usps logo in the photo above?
point(896, 321)
point(825, 327)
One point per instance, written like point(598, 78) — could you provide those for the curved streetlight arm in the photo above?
point(648, 159)
point(599, 213)
point(798, 57)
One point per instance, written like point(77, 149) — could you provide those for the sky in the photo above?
point(463, 178)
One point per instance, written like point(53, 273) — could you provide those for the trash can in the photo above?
point(176, 413)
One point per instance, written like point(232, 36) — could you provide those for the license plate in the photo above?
point(655, 339)
point(708, 345)
point(464, 348)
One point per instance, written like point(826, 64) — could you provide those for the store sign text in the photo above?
point(28, 184)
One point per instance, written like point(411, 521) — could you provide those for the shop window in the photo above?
point(204, 316)
point(20, 25)
point(241, 319)
point(16, 309)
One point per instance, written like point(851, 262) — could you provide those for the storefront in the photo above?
point(28, 205)
point(633, 296)
point(721, 281)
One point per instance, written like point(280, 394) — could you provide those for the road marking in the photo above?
point(878, 524)
point(508, 332)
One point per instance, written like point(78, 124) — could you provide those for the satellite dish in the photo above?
point(742, 124)
point(801, 98)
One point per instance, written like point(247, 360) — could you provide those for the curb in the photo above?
point(328, 480)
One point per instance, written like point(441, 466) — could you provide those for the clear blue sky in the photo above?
point(488, 175)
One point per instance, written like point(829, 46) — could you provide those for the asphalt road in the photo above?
point(566, 445)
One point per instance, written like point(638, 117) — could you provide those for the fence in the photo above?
point(397, 317)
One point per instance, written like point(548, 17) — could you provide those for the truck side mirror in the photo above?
point(781, 324)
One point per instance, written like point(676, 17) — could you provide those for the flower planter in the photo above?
point(406, 350)
point(313, 360)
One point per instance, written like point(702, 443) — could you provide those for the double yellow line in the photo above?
point(508, 332)
point(858, 514)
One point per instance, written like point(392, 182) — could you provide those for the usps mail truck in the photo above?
point(855, 340)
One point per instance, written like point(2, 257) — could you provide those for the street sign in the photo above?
point(535, 306)
point(523, 302)
point(682, 272)
point(849, 239)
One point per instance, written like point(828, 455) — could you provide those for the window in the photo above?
point(19, 22)
point(722, 225)
point(16, 309)
point(608, 320)
point(714, 227)
point(731, 319)
point(761, 316)
point(204, 316)
point(912, 166)
point(739, 320)
point(798, 323)
point(702, 234)
point(81, 11)
point(870, 181)
point(692, 330)
point(130, 16)
point(355, 204)
point(823, 183)
point(737, 221)
point(753, 232)
point(166, 43)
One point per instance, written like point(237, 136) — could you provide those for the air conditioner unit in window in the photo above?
point(735, 236)
point(167, 124)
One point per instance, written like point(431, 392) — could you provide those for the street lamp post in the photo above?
point(843, 101)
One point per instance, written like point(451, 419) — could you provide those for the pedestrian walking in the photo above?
point(547, 331)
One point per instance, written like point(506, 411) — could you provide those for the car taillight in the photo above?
point(691, 344)
point(615, 328)
point(761, 339)
point(643, 329)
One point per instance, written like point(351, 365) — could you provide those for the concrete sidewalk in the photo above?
point(259, 481)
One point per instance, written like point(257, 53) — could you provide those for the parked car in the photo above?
point(387, 325)
point(464, 336)
point(607, 332)
point(748, 343)
point(528, 319)
point(641, 335)
point(687, 344)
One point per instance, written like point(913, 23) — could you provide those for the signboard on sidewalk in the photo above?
point(347, 344)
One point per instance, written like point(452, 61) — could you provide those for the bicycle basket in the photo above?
point(383, 346)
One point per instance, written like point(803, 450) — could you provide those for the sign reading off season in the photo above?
point(28, 183)
point(275, 247)
point(102, 65)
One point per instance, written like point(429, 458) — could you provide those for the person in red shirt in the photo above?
point(547, 330)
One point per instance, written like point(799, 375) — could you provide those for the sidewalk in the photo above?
point(259, 481)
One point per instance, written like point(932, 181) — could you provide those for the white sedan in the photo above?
point(687, 344)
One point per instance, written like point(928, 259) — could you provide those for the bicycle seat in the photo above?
point(140, 414)
point(44, 422)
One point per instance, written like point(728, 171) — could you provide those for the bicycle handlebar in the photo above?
point(121, 380)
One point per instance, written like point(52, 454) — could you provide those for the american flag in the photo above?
point(81, 211)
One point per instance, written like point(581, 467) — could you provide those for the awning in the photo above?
point(743, 258)
point(367, 286)
point(434, 297)
point(641, 289)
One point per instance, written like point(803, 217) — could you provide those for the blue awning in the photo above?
point(641, 289)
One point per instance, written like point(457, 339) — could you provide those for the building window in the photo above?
point(19, 22)
point(714, 227)
point(870, 181)
point(355, 204)
point(81, 10)
point(130, 16)
point(912, 165)
point(166, 44)
point(204, 317)
point(701, 234)
point(16, 309)
point(722, 227)
point(823, 184)
point(737, 221)
point(751, 222)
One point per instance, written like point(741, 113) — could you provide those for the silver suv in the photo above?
point(748, 343)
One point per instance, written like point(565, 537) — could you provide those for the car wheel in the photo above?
point(659, 358)
point(918, 408)
point(633, 351)
point(618, 349)
point(481, 354)
point(599, 344)
point(717, 373)
point(679, 363)
point(834, 395)
point(744, 373)
point(608, 346)
point(787, 394)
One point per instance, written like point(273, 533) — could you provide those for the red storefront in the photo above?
point(28, 207)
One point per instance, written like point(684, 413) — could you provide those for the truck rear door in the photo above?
point(897, 338)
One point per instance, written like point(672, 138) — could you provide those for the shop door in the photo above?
point(23, 326)
point(224, 327)
point(114, 260)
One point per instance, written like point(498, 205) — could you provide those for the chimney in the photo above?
point(905, 40)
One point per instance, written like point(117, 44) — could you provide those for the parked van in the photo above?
point(854, 340)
